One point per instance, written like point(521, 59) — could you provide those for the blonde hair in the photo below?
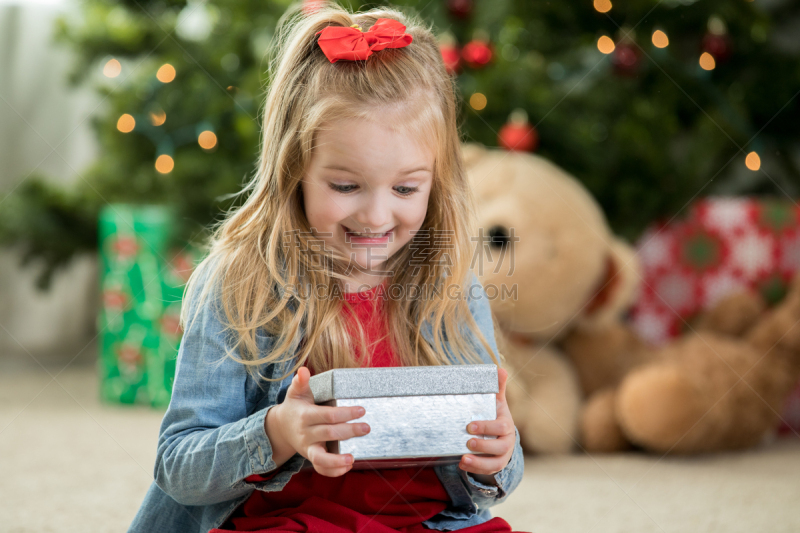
point(249, 260)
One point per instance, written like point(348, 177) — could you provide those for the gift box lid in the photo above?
point(403, 381)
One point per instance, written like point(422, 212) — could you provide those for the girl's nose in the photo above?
point(374, 214)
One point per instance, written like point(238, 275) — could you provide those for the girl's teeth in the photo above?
point(368, 234)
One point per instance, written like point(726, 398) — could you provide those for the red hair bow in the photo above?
point(349, 43)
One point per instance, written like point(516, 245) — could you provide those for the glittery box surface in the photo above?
point(417, 415)
point(403, 381)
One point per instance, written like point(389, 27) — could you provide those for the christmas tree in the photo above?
point(649, 103)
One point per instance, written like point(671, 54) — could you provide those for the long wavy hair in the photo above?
point(264, 247)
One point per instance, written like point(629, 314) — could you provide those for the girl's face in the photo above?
point(366, 192)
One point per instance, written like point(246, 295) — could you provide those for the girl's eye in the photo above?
point(343, 188)
point(401, 189)
point(406, 191)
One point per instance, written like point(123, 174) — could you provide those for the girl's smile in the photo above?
point(366, 192)
point(367, 238)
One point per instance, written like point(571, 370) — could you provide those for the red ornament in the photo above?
point(518, 134)
point(626, 59)
point(719, 46)
point(459, 9)
point(451, 58)
point(477, 53)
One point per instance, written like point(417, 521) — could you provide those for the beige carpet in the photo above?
point(72, 464)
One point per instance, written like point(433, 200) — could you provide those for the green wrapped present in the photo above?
point(143, 273)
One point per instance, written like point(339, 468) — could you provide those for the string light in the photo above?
point(126, 123)
point(660, 39)
point(477, 101)
point(157, 118)
point(605, 44)
point(602, 6)
point(112, 68)
point(165, 164)
point(207, 140)
point(707, 61)
point(752, 161)
point(166, 73)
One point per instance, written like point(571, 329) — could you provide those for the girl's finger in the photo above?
point(326, 432)
point(503, 411)
point(500, 427)
point(502, 378)
point(489, 446)
point(322, 459)
point(335, 472)
point(299, 387)
point(482, 465)
point(326, 414)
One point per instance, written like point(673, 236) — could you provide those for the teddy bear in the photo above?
point(562, 331)
point(719, 387)
point(549, 263)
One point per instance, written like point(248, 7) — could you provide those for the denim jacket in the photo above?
point(212, 436)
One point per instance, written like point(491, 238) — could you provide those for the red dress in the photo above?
point(368, 501)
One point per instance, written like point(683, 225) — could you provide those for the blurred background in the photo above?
point(127, 126)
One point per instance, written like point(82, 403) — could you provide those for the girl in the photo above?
point(352, 249)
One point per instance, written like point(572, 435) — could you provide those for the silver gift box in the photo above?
point(417, 415)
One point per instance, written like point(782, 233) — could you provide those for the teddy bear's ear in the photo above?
point(622, 286)
point(472, 152)
point(624, 255)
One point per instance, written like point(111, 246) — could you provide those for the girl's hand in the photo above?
point(300, 426)
point(501, 448)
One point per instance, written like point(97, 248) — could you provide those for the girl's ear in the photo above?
point(472, 153)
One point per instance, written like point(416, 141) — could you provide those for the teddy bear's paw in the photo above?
point(546, 436)
point(604, 356)
point(777, 328)
point(733, 315)
point(544, 398)
point(659, 407)
point(600, 432)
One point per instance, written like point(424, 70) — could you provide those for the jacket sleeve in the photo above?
point(212, 436)
point(508, 478)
